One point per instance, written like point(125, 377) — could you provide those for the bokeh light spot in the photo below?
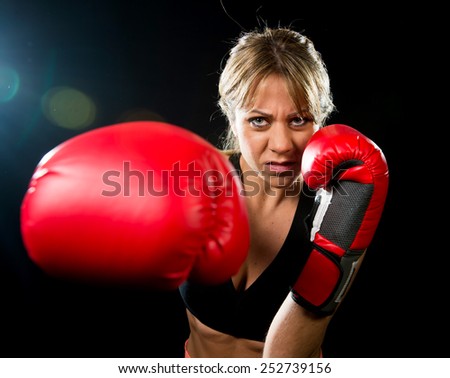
point(141, 114)
point(9, 83)
point(68, 107)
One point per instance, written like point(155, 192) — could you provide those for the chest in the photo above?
point(269, 229)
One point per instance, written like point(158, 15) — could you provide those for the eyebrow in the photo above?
point(259, 112)
point(269, 115)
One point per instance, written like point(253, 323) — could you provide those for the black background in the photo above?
point(165, 57)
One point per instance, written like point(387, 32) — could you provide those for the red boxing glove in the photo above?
point(350, 175)
point(140, 203)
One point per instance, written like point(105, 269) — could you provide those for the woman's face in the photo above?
point(272, 134)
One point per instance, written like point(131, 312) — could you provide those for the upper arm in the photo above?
point(297, 332)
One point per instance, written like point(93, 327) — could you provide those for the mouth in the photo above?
point(281, 167)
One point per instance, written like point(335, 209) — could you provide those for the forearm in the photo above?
point(295, 332)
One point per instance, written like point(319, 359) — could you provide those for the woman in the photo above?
point(274, 91)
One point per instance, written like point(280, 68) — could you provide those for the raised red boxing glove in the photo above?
point(139, 203)
point(350, 176)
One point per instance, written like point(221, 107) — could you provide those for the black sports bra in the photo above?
point(248, 313)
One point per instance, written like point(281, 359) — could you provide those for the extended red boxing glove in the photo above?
point(350, 176)
point(140, 203)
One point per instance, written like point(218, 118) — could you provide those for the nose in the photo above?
point(280, 139)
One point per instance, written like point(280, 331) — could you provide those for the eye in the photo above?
point(298, 121)
point(258, 122)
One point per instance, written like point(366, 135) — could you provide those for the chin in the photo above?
point(283, 182)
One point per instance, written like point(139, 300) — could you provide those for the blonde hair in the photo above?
point(282, 51)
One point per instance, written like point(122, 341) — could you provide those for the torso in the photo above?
point(205, 342)
point(267, 238)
